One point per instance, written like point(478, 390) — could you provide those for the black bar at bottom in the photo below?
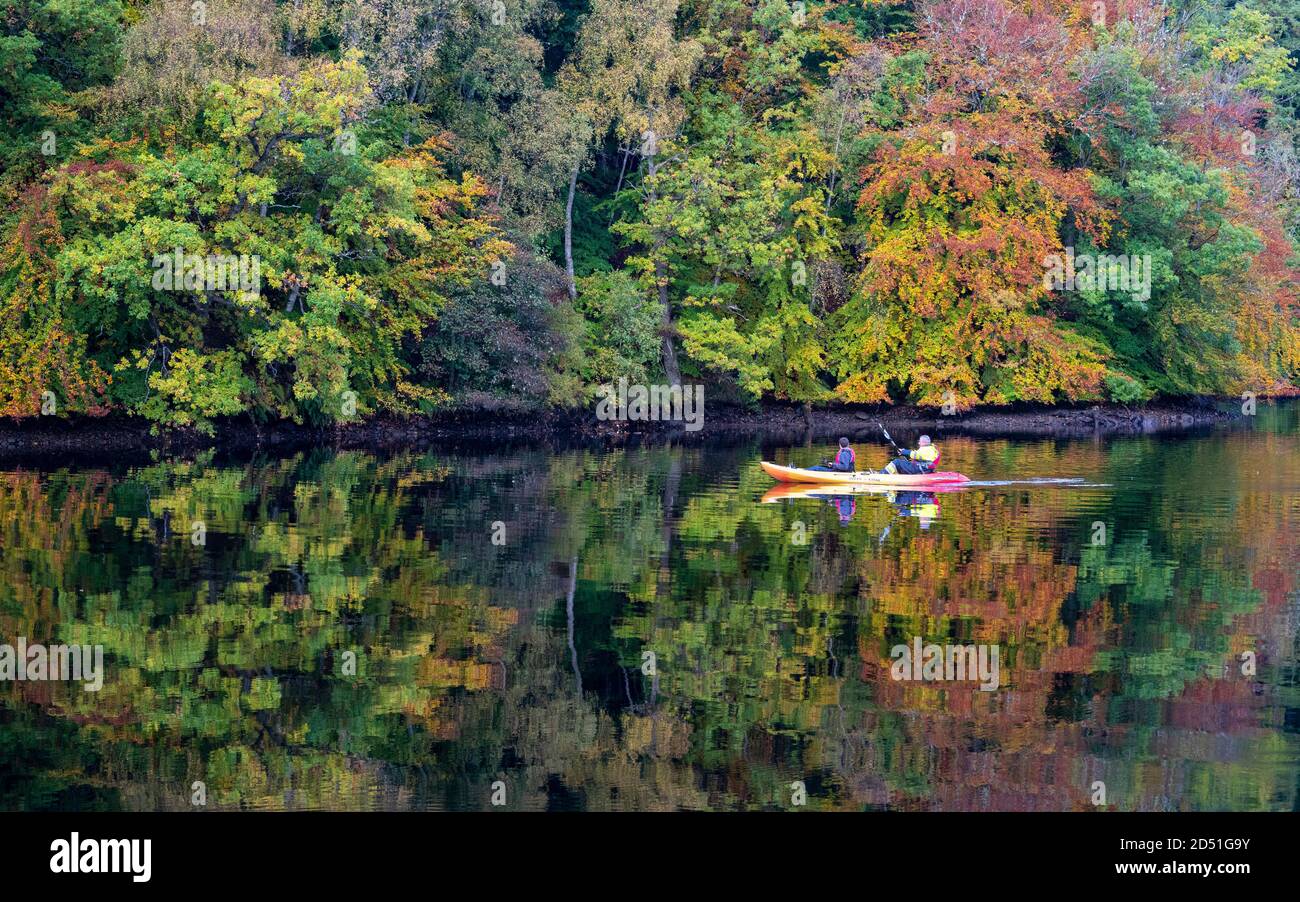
point(619, 853)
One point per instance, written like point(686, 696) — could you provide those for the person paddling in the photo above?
point(924, 506)
point(845, 460)
point(916, 463)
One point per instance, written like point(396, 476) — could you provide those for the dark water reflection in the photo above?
point(526, 662)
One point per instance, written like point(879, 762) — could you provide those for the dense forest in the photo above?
point(314, 210)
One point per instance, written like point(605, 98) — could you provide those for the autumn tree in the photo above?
point(173, 53)
point(958, 210)
point(356, 243)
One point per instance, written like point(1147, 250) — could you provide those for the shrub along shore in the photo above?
point(31, 440)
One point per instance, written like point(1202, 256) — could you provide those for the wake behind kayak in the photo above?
point(830, 477)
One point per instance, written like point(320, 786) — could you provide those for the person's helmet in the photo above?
point(923, 441)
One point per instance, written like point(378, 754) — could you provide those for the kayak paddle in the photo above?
point(890, 439)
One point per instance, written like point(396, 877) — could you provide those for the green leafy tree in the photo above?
point(49, 51)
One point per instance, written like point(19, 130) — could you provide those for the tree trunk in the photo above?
point(671, 371)
point(621, 170)
point(568, 606)
point(663, 580)
point(835, 155)
point(568, 234)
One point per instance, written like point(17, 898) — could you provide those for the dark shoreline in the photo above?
point(36, 439)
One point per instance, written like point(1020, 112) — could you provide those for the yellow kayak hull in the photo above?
point(826, 477)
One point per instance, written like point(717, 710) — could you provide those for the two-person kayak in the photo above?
point(830, 477)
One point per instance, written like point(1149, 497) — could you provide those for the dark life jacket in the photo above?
point(846, 461)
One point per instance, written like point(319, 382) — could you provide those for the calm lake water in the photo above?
point(647, 629)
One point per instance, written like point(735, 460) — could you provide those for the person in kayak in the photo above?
point(846, 506)
point(924, 506)
point(916, 463)
point(845, 460)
